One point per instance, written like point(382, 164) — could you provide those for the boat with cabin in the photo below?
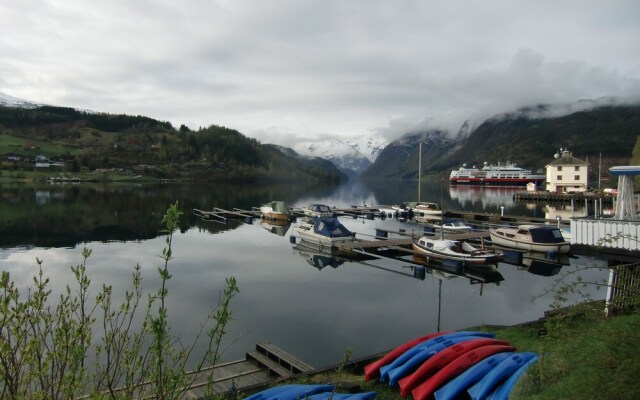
point(425, 211)
point(446, 249)
point(323, 231)
point(318, 210)
point(276, 211)
point(495, 175)
point(540, 238)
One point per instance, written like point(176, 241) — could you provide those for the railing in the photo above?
point(606, 233)
point(624, 287)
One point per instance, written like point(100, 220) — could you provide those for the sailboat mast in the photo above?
point(419, 169)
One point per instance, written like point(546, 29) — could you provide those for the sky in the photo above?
point(283, 71)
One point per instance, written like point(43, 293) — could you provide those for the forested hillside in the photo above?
point(72, 140)
point(607, 133)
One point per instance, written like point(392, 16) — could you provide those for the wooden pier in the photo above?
point(261, 367)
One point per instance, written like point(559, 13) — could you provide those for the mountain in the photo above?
point(316, 163)
point(350, 156)
point(528, 137)
point(10, 101)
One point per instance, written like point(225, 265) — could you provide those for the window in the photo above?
point(559, 177)
point(577, 168)
point(576, 177)
point(559, 167)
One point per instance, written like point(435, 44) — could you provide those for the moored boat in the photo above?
point(323, 231)
point(541, 238)
point(317, 210)
point(276, 211)
point(495, 175)
point(445, 249)
point(425, 211)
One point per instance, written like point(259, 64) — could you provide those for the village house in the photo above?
point(566, 173)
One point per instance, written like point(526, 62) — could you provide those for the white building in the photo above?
point(567, 174)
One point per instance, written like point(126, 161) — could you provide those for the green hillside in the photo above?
point(78, 141)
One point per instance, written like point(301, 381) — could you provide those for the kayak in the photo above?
point(502, 391)
point(440, 360)
point(498, 374)
point(404, 357)
point(455, 368)
point(290, 392)
point(372, 370)
point(414, 362)
point(472, 375)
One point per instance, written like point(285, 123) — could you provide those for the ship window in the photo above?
point(560, 168)
point(576, 177)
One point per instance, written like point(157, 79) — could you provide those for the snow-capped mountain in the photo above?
point(350, 156)
point(10, 101)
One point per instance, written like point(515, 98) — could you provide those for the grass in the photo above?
point(582, 355)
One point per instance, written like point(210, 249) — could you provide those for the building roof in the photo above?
point(566, 159)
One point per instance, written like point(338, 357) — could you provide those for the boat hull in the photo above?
point(561, 248)
point(469, 259)
point(520, 182)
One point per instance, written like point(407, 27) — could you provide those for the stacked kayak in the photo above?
point(444, 365)
point(310, 392)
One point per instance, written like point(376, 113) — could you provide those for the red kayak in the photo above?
point(440, 360)
point(455, 368)
point(372, 370)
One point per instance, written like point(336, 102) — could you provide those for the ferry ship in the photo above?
point(494, 175)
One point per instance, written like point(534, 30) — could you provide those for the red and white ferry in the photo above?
point(495, 175)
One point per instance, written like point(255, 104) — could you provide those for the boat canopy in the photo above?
point(546, 234)
point(329, 227)
point(279, 206)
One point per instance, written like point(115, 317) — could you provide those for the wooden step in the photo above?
point(283, 358)
point(272, 366)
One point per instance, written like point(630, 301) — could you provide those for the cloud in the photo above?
point(287, 70)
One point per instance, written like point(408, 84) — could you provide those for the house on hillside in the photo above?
point(566, 173)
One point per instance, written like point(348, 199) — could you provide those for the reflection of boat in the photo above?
point(495, 175)
point(316, 257)
point(475, 273)
point(445, 249)
point(425, 211)
point(276, 210)
point(531, 238)
point(451, 225)
point(545, 264)
point(400, 212)
point(276, 227)
point(318, 210)
point(323, 231)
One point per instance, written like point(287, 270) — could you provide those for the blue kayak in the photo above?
point(290, 392)
point(421, 356)
point(384, 370)
point(498, 374)
point(502, 391)
point(469, 377)
point(342, 396)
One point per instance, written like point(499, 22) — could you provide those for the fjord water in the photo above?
point(315, 314)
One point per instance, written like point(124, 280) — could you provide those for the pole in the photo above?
point(419, 169)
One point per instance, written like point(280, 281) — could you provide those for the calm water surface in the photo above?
point(314, 313)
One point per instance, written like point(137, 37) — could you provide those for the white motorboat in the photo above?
point(323, 231)
point(276, 211)
point(445, 249)
point(318, 210)
point(541, 238)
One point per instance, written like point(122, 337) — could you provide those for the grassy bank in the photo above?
point(582, 355)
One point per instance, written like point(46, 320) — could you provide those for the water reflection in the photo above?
point(276, 227)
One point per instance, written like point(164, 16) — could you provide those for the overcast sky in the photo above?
point(279, 70)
